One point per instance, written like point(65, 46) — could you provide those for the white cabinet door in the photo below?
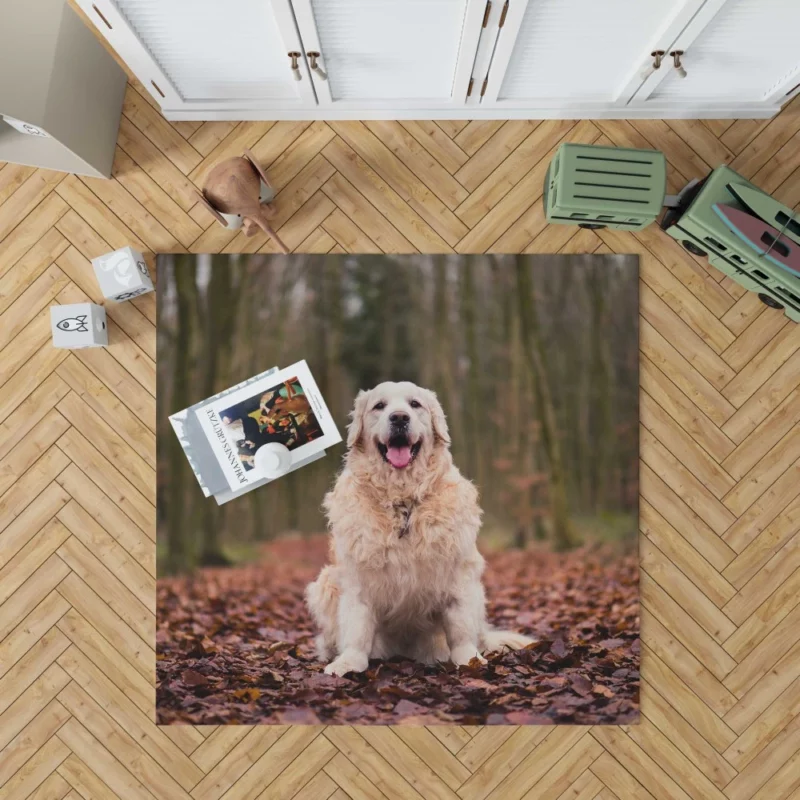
point(735, 52)
point(207, 54)
point(390, 54)
point(578, 54)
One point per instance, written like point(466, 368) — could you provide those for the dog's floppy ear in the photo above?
point(438, 420)
point(356, 427)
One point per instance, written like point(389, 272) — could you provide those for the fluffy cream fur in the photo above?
point(418, 594)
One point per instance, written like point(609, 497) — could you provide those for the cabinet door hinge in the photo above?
point(486, 13)
point(483, 88)
point(469, 88)
point(503, 15)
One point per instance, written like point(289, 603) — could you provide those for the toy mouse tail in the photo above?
point(268, 229)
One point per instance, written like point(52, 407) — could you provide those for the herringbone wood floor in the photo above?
point(720, 472)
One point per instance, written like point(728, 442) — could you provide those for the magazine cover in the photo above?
point(285, 408)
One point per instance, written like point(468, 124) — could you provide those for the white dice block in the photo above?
point(79, 325)
point(122, 274)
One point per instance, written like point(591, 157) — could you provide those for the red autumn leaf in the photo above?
point(407, 708)
point(581, 684)
point(604, 691)
point(476, 683)
point(192, 678)
point(558, 648)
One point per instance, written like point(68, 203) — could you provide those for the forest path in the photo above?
point(236, 646)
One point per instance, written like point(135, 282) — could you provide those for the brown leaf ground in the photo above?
point(235, 646)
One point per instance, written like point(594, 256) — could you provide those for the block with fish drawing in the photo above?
point(78, 325)
point(122, 274)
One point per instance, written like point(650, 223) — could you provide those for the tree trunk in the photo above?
point(442, 348)
point(563, 533)
point(472, 401)
point(177, 535)
point(216, 318)
point(602, 401)
point(334, 277)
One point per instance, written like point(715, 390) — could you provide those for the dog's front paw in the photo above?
point(464, 653)
point(347, 662)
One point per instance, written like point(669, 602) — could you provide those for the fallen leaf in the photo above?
point(476, 683)
point(248, 695)
point(558, 648)
point(192, 678)
point(276, 646)
point(581, 684)
point(405, 708)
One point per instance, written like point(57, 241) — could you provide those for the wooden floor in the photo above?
point(720, 473)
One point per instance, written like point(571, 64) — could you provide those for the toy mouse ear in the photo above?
point(213, 211)
point(261, 174)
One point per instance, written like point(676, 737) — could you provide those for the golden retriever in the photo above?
point(405, 572)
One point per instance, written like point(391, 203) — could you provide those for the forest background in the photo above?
point(534, 359)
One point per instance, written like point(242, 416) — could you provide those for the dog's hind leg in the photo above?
point(325, 647)
point(465, 620)
point(381, 646)
point(431, 647)
point(322, 598)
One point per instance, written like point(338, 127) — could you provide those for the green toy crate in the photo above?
point(702, 232)
point(605, 187)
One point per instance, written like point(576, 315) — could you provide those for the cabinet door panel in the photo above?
point(381, 53)
point(579, 52)
point(207, 54)
point(748, 52)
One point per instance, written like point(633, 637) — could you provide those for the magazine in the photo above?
point(285, 407)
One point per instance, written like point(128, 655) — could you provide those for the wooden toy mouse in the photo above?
point(233, 189)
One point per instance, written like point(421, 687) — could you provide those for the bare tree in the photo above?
point(563, 533)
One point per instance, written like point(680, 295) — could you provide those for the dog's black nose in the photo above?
point(399, 418)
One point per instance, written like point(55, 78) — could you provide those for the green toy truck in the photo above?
point(696, 225)
point(605, 187)
point(612, 187)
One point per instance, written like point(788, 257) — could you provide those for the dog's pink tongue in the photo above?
point(399, 457)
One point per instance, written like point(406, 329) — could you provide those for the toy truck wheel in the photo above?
point(693, 248)
point(769, 301)
point(592, 226)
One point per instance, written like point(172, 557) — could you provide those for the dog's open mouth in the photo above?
point(399, 452)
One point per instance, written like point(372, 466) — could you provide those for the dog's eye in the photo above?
point(415, 404)
point(379, 406)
